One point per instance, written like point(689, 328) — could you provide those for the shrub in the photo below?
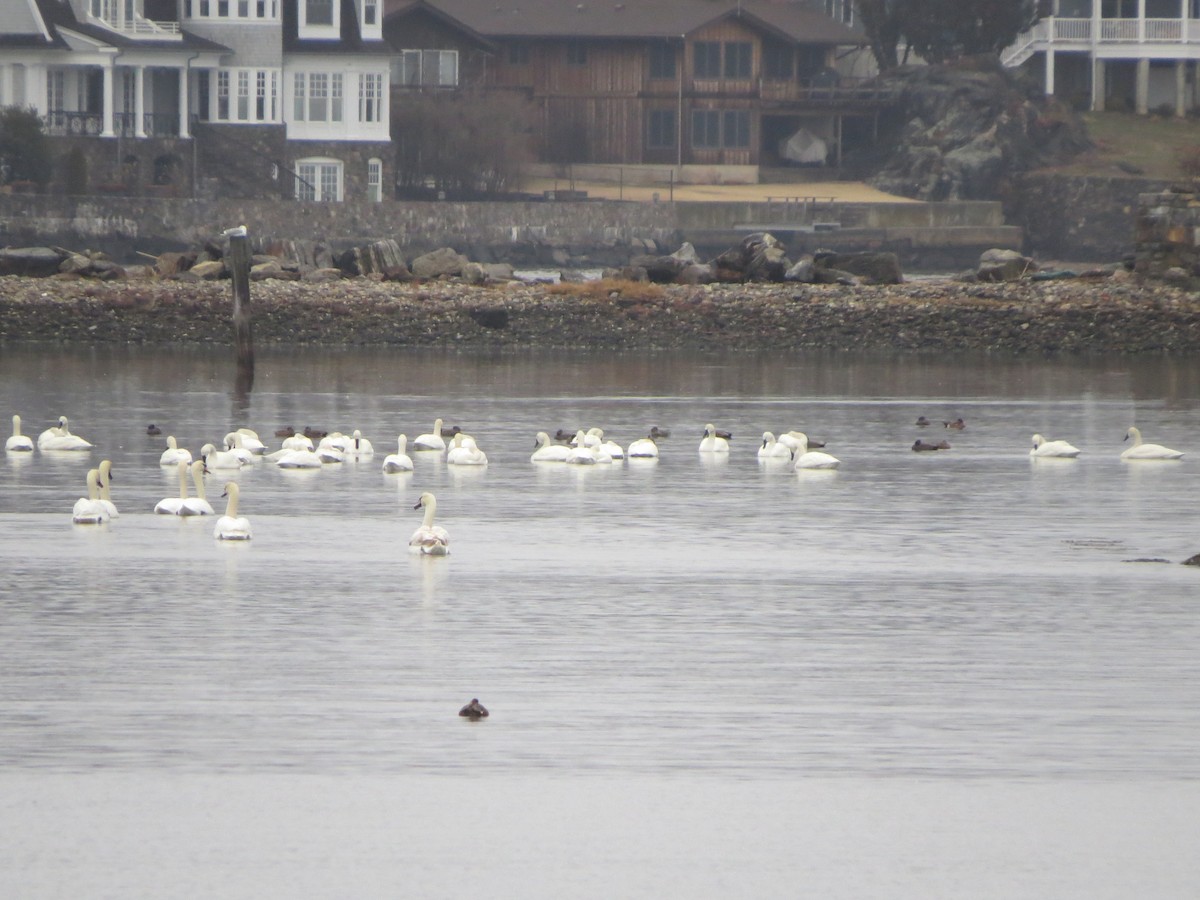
point(24, 149)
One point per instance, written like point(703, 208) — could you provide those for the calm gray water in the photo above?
point(922, 675)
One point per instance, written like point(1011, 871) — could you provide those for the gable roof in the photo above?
point(57, 16)
point(788, 20)
point(23, 25)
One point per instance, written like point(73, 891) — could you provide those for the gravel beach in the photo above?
point(1081, 315)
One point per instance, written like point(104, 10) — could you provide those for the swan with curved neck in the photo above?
point(465, 452)
point(231, 526)
point(429, 539)
point(220, 459)
point(89, 510)
point(59, 437)
point(358, 447)
point(399, 461)
point(1140, 450)
point(580, 453)
point(174, 454)
point(712, 442)
point(198, 505)
point(18, 443)
point(1043, 448)
point(812, 459)
point(431, 441)
point(773, 449)
point(105, 471)
point(173, 506)
point(548, 452)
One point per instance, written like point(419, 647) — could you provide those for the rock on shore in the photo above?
point(1078, 315)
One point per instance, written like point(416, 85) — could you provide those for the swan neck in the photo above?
point(231, 507)
point(16, 426)
point(183, 480)
point(93, 484)
point(430, 508)
point(198, 478)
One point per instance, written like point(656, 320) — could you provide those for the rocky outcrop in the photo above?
point(965, 131)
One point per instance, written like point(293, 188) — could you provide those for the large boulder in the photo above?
point(758, 257)
point(963, 131)
point(439, 263)
point(1004, 265)
point(36, 262)
point(869, 266)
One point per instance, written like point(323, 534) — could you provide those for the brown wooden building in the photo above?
point(634, 82)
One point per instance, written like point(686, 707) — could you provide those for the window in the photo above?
point(319, 180)
point(425, 68)
point(712, 129)
point(706, 128)
point(318, 97)
point(318, 12)
point(736, 129)
point(243, 100)
point(576, 53)
point(231, 9)
point(375, 180)
point(662, 60)
point(660, 129)
point(842, 10)
point(518, 54)
point(370, 97)
point(370, 12)
point(778, 62)
point(706, 61)
point(223, 96)
point(243, 95)
point(738, 56)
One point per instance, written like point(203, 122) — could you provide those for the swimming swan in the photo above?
point(105, 472)
point(198, 505)
point(1147, 451)
point(773, 449)
point(1055, 449)
point(89, 510)
point(812, 459)
point(18, 443)
point(431, 441)
point(612, 448)
point(252, 442)
point(235, 443)
point(173, 506)
point(59, 437)
point(712, 443)
point(429, 539)
point(465, 452)
point(231, 526)
point(399, 461)
point(548, 452)
point(643, 448)
point(297, 459)
point(220, 459)
point(174, 454)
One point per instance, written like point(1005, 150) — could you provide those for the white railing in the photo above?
point(1119, 31)
point(1164, 30)
point(139, 27)
point(1071, 30)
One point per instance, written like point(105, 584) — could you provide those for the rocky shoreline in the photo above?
point(1081, 315)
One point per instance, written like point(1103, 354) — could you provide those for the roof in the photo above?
point(788, 20)
point(349, 41)
point(59, 16)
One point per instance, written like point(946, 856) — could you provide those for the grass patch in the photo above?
point(607, 287)
point(1158, 146)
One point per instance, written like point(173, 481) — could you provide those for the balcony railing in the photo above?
point(69, 123)
point(140, 27)
point(1114, 31)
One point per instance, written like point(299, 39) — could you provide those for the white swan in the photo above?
point(198, 505)
point(105, 479)
point(298, 442)
point(429, 539)
point(579, 453)
point(173, 506)
point(399, 461)
point(812, 459)
point(612, 448)
point(431, 441)
point(330, 452)
point(465, 452)
point(773, 449)
point(297, 459)
point(18, 443)
point(358, 447)
point(548, 452)
point(174, 454)
point(1056, 449)
point(89, 510)
point(1147, 451)
point(59, 437)
point(220, 459)
point(711, 443)
point(231, 526)
point(251, 441)
point(235, 443)
point(643, 448)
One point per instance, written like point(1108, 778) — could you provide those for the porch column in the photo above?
point(184, 74)
point(1050, 71)
point(1143, 86)
point(6, 85)
point(1180, 88)
point(35, 87)
point(106, 129)
point(1098, 85)
point(1141, 36)
point(139, 101)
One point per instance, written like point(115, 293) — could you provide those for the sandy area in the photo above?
point(841, 191)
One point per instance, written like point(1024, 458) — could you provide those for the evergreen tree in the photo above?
point(24, 150)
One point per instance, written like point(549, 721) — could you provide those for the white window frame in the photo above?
point(235, 10)
point(320, 179)
point(370, 96)
point(319, 98)
point(375, 180)
point(247, 96)
point(416, 68)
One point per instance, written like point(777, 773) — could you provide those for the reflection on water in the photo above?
point(966, 614)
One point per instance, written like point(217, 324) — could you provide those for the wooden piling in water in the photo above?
point(243, 332)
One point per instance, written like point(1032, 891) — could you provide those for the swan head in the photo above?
point(768, 438)
point(105, 470)
point(542, 438)
point(231, 490)
point(1038, 440)
point(1134, 434)
point(207, 450)
point(710, 430)
point(426, 499)
point(437, 426)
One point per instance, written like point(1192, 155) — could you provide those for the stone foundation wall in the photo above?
point(1168, 234)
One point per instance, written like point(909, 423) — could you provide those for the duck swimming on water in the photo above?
point(474, 711)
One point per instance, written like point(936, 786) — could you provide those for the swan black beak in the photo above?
point(418, 506)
